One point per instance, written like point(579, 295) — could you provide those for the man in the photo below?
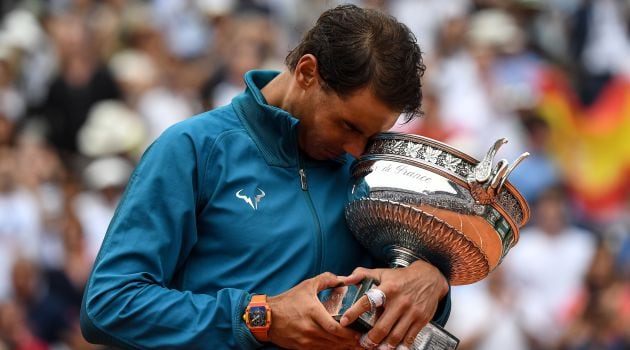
point(242, 206)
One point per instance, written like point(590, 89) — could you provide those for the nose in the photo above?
point(355, 147)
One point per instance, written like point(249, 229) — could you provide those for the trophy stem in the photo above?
point(432, 336)
point(399, 256)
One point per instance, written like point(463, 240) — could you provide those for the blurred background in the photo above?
point(86, 85)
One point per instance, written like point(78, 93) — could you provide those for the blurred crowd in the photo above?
point(87, 85)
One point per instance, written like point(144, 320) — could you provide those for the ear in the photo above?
point(306, 71)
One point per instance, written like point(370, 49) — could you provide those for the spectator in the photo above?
point(546, 269)
point(14, 331)
point(94, 207)
point(20, 221)
point(162, 61)
point(485, 315)
point(538, 162)
point(82, 81)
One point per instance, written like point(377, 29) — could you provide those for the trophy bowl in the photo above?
point(413, 198)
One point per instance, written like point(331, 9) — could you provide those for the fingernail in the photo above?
point(344, 321)
point(386, 346)
point(402, 347)
point(366, 342)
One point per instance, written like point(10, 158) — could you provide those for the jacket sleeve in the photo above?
point(128, 302)
point(444, 309)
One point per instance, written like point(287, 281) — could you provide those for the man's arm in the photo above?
point(128, 301)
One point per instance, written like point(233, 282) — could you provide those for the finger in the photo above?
point(360, 307)
point(335, 342)
point(338, 341)
point(412, 333)
point(399, 332)
point(366, 342)
point(384, 325)
point(327, 280)
point(361, 273)
point(332, 327)
point(325, 344)
point(385, 346)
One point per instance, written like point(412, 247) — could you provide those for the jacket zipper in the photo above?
point(318, 229)
point(303, 179)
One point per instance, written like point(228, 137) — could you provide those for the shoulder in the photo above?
point(193, 139)
point(210, 124)
point(203, 132)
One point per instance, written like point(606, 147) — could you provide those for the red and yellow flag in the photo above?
point(591, 144)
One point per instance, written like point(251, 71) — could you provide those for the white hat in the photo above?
point(216, 7)
point(22, 30)
point(107, 172)
point(6, 47)
point(133, 66)
point(495, 28)
point(111, 128)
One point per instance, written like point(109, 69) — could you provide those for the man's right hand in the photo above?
point(300, 320)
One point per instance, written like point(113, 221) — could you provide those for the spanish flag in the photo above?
point(590, 144)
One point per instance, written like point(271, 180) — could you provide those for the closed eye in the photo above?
point(351, 127)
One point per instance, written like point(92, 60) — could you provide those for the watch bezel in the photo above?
point(258, 309)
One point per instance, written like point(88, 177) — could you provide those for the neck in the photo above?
point(276, 92)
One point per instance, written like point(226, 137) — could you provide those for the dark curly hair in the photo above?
point(357, 47)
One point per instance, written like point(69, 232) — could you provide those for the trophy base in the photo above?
point(338, 300)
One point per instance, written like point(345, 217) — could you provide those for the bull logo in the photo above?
point(247, 199)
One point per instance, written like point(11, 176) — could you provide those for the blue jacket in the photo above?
point(215, 212)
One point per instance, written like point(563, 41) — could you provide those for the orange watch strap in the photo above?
point(261, 334)
point(260, 298)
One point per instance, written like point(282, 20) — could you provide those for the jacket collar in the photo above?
point(273, 130)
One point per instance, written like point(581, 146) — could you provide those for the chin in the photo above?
point(320, 156)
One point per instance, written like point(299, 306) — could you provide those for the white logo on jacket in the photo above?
point(254, 204)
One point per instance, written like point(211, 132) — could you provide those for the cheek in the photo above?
point(322, 132)
point(314, 138)
point(334, 139)
point(321, 140)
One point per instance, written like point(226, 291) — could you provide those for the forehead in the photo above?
point(366, 112)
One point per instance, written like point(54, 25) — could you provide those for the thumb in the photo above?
point(361, 273)
point(328, 280)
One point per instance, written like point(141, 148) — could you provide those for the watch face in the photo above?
point(257, 316)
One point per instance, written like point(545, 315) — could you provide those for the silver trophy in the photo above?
point(416, 198)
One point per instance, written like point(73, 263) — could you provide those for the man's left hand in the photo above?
point(412, 296)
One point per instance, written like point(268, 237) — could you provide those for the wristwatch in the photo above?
point(258, 317)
